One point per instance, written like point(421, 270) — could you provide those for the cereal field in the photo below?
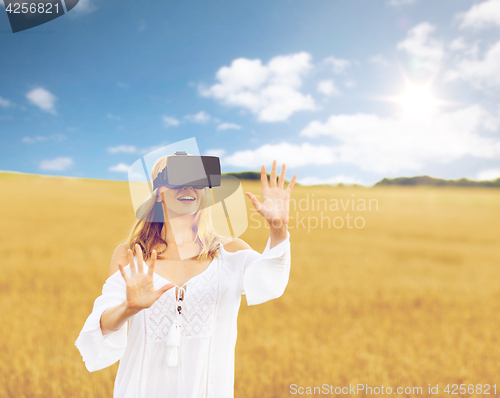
point(404, 293)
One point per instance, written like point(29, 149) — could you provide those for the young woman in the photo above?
point(182, 314)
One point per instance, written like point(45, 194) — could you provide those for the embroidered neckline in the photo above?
point(196, 317)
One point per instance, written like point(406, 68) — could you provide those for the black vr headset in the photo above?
point(184, 170)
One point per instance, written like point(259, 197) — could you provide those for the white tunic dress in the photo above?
point(205, 362)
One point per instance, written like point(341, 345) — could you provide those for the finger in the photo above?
point(140, 259)
point(254, 200)
point(291, 184)
point(153, 262)
point(130, 254)
point(263, 177)
point(122, 271)
point(272, 179)
point(281, 181)
point(164, 288)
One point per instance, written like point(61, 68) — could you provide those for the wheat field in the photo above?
point(411, 298)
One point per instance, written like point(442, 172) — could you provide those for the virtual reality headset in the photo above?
point(184, 170)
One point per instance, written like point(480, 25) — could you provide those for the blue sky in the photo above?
point(340, 90)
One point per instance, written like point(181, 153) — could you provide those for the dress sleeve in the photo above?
point(265, 276)
point(99, 351)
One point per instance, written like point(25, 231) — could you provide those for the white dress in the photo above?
point(204, 367)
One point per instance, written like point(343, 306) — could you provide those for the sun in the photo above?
point(418, 101)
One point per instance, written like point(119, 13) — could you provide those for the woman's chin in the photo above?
point(184, 210)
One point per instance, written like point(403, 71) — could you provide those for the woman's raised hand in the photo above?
point(140, 290)
point(275, 198)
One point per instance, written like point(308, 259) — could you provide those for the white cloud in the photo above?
point(43, 99)
point(215, 152)
point(488, 175)
point(481, 15)
point(57, 164)
point(379, 59)
point(340, 179)
point(38, 138)
point(113, 117)
point(480, 72)
point(32, 140)
point(228, 126)
point(399, 2)
point(327, 87)
point(426, 53)
point(458, 44)
point(134, 149)
point(269, 91)
point(462, 49)
point(120, 167)
point(83, 7)
point(5, 103)
point(350, 83)
point(201, 117)
point(123, 149)
point(338, 65)
point(385, 145)
point(170, 121)
point(293, 155)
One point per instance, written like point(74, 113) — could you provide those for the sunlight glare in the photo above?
point(418, 101)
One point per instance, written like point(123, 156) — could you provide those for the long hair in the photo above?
point(147, 234)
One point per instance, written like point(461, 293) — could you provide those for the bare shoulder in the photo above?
point(234, 245)
point(119, 256)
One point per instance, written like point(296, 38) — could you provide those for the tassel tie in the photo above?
point(174, 334)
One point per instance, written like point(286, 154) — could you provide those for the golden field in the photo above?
point(410, 299)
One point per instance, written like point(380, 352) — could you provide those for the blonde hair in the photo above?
point(147, 234)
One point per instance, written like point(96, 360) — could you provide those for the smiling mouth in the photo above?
point(186, 198)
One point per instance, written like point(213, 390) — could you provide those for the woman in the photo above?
point(182, 314)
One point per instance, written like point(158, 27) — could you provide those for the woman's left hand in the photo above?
point(275, 199)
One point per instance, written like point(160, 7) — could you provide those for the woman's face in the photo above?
point(180, 201)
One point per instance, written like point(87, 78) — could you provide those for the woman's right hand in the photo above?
point(140, 290)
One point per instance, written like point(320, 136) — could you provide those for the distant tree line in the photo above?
point(407, 181)
point(438, 182)
point(246, 175)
